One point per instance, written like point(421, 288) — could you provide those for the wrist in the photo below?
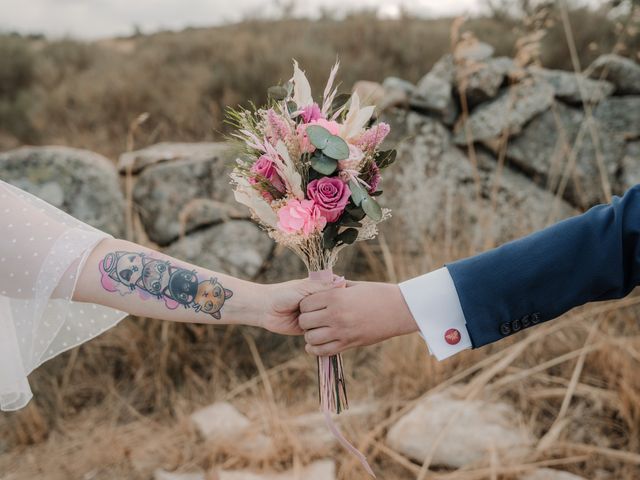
point(406, 323)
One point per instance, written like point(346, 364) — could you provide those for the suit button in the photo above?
point(535, 318)
point(516, 325)
point(505, 329)
point(526, 321)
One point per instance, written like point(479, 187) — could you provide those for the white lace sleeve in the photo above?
point(42, 251)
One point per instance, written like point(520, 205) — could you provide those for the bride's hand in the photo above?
point(282, 304)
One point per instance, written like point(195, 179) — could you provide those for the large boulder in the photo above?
point(238, 248)
point(434, 92)
point(622, 72)
point(434, 188)
point(82, 183)
point(544, 148)
point(630, 166)
point(482, 81)
point(509, 112)
point(460, 432)
point(168, 193)
point(570, 87)
point(620, 116)
point(138, 160)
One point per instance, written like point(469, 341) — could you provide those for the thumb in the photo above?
point(309, 287)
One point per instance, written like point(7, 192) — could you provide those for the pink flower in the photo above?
point(331, 195)
point(333, 127)
point(303, 140)
point(311, 113)
point(372, 138)
point(300, 216)
point(265, 169)
point(277, 127)
point(353, 162)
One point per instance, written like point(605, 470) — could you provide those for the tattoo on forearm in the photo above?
point(128, 272)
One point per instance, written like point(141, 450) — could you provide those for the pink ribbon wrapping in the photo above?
point(327, 276)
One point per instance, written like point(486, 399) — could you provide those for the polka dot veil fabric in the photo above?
point(42, 251)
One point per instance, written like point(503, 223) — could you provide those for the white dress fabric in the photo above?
point(42, 251)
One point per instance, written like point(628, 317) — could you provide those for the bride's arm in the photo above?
point(147, 283)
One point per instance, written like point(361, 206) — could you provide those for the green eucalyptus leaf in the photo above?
point(329, 237)
point(336, 148)
point(358, 193)
point(356, 213)
point(372, 209)
point(318, 136)
point(349, 236)
point(323, 164)
point(386, 158)
point(278, 92)
point(346, 221)
point(291, 107)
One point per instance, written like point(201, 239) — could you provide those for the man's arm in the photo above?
point(594, 256)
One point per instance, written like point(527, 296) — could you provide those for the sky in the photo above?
point(91, 19)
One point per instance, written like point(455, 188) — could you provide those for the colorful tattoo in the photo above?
point(126, 272)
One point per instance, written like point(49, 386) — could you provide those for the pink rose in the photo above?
point(311, 112)
point(265, 168)
point(331, 195)
point(300, 216)
point(333, 127)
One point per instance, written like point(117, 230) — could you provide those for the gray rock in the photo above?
point(238, 248)
point(167, 192)
point(164, 475)
point(510, 111)
point(543, 150)
point(282, 266)
point(82, 183)
point(395, 83)
point(219, 421)
point(630, 166)
point(167, 151)
point(622, 72)
point(570, 86)
point(482, 81)
point(473, 51)
point(478, 428)
point(550, 474)
point(319, 470)
point(434, 92)
point(432, 191)
point(620, 116)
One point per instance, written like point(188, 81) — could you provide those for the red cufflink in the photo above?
point(452, 336)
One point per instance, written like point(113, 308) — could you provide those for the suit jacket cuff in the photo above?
point(434, 304)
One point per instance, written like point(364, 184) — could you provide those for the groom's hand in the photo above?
point(282, 304)
point(364, 313)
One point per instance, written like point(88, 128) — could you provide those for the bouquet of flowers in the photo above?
point(309, 174)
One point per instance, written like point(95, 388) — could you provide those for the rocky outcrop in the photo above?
point(82, 183)
point(550, 474)
point(456, 433)
point(167, 192)
point(622, 72)
point(572, 135)
point(435, 188)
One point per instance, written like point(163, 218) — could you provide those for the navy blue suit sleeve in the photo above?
point(591, 257)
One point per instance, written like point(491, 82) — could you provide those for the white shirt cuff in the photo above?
point(435, 306)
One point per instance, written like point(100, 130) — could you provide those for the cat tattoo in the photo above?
point(126, 272)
